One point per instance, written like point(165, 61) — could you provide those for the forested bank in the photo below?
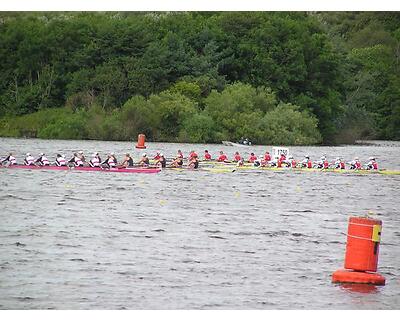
point(277, 78)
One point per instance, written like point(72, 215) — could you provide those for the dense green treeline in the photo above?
point(290, 78)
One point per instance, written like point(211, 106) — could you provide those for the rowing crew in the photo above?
point(282, 160)
point(78, 160)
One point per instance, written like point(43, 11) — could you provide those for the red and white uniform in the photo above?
point(293, 163)
point(60, 161)
point(95, 162)
point(237, 157)
point(372, 165)
point(252, 158)
point(267, 157)
point(207, 156)
point(29, 160)
point(222, 157)
point(193, 155)
point(78, 162)
point(44, 161)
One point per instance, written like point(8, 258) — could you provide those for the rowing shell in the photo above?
point(345, 171)
point(64, 168)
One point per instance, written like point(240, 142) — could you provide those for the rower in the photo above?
point(339, 164)
point(114, 158)
point(258, 161)
point(192, 155)
point(110, 161)
point(194, 162)
point(95, 161)
point(372, 164)
point(42, 160)
point(81, 156)
point(292, 162)
point(207, 155)
point(157, 156)
point(161, 161)
point(306, 162)
point(222, 157)
point(29, 160)
point(267, 156)
point(237, 157)
point(252, 158)
point(282, 160)
point(60, 160)
point(178, 161)
point(274, 162)
point(144, 160)
point(355, 164)
point(128, 161)
point(76, 160)
point(10, 159)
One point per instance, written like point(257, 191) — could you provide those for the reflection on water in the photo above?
point(359, 287)
point(189, 240)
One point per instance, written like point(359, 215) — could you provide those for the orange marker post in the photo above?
point(141, 141)
point(362, 250)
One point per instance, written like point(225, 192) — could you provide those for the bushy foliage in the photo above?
point(159, 73)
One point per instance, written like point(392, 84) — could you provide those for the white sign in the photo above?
point(277, 151)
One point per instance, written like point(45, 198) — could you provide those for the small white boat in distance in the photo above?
point(233, 144)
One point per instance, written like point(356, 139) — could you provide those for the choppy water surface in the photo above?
point(190, 240)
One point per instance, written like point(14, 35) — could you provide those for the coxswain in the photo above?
point(144, 160)
point(10, 159)
point(161, 161)
point(372, 164)
point(42, 160)
point(222, 157)
point(267, 156)
point(252, 158)
point(60, 160)
point(29, 160)
point(194, 162)
point(76, 160)
point(237, 157)
point(95, 161)
point(128, 161)
point(207, 155)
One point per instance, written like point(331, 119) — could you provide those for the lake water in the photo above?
point(192, 239)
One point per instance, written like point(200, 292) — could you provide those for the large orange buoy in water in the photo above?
point(141, 140)
point(362, 249)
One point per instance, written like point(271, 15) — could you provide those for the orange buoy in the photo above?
point(141, 141)
point(362, 249)
point(351, 276)
point(363, 236)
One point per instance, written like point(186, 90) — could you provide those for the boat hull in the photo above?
point(90, 169)
point(233, 144)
